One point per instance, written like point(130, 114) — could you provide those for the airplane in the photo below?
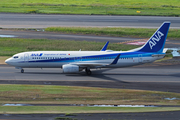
point(76, 61)
point(175, 52)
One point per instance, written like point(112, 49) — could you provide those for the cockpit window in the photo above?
point(15, 57)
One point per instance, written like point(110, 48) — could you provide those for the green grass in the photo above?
point(104, 7)
point(11, 46)
point(3, 58)
point(118, 31)
point(51, 94)
point(63, 109)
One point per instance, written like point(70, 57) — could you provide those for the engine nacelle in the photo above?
point(70, 68)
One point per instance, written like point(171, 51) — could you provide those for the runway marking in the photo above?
point(142, 42)
point(137, 43)
point(173, 43)
point(7, 72)
point(8, 36)
point(133, 41)
point(32, 80)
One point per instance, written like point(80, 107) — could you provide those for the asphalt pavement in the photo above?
point(9, 20)
point(162, 76)
point(174, 115)
point(60, 36)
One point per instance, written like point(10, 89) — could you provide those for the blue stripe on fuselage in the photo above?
point(95, 57)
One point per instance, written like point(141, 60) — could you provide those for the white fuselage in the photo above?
point(55, 59)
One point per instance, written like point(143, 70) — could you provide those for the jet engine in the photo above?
point(70, 68)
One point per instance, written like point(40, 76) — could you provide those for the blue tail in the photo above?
point(157, 40)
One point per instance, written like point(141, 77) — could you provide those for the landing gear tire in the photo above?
point(22, 70)
point(88, 71)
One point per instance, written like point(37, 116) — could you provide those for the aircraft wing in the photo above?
point(91, 65)
point(96, 65)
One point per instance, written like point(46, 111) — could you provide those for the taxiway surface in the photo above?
point(100, 116)
point(60, 36)
point(156, 76)
point(44, 20)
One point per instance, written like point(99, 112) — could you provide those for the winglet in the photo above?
point(105, 46)
point(115, 60)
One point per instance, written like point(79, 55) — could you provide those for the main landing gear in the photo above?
point(88, 71)
point(22, 70)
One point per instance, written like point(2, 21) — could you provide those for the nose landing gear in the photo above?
point(22, 70)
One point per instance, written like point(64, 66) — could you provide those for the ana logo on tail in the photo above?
point(155, 39)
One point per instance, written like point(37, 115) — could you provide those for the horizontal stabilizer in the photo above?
point(158, 55)
point(165, 50)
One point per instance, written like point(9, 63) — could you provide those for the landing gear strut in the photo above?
point(88, 71)
point(22, 70)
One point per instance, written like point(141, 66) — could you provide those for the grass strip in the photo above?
point(69, 109)
point(102, 7)
point(51, 94)
point(3, 58)
point(11, 46)
point(117, 31)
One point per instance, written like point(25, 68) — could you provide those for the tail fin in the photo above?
point(157, 40)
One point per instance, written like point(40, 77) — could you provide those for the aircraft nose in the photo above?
point(8, 61)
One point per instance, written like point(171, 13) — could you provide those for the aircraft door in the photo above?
point(140, 58)
point(26, 57)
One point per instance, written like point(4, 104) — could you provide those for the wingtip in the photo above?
point(115, 60)
point(105, 46)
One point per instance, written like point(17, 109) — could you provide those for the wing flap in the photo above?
point(105, 46)
point(90, 64)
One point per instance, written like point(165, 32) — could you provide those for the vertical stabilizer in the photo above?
point(157, 40)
